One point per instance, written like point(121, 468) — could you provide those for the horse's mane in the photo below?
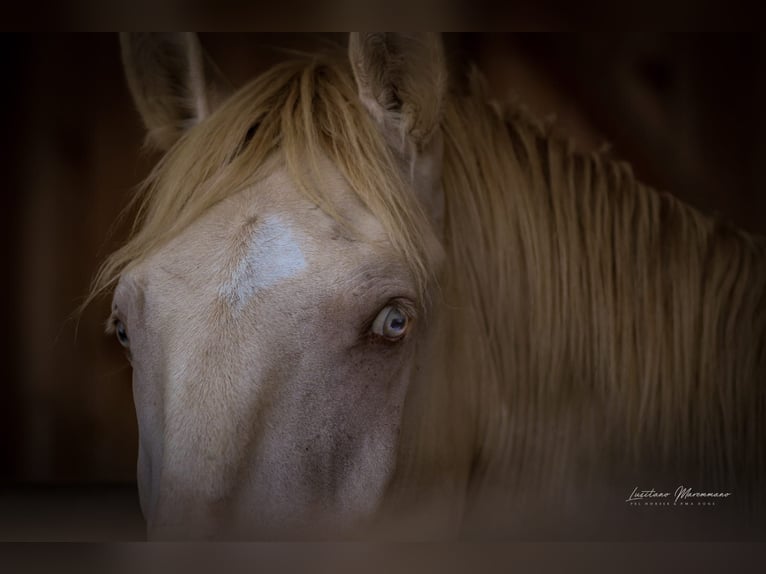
point(586, 316)
point(293, 114)
point(607, 332)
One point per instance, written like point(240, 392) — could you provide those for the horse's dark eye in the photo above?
point(391, 323)
point(122, 333)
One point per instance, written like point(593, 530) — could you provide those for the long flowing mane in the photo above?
point(586, 317)
point(606, 329)
point(295, 113)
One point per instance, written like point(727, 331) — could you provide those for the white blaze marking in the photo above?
point(273, 255)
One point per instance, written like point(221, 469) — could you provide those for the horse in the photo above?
point(361, 297)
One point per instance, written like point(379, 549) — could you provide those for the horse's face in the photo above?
point(271, 352)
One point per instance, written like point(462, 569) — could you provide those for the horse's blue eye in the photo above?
point(122, 333)
point(390, 323)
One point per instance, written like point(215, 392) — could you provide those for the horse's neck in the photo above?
point(591, 331)
point(620, 330)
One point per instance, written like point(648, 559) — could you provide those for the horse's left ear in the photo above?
point(402, 81)
point(173, 83)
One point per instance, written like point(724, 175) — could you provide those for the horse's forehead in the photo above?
point(264, 252)
point(265, 235)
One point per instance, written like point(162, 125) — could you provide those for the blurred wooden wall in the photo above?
point(686, 110)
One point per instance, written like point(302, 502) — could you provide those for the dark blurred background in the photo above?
point(686, 110)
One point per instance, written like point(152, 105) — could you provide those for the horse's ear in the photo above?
point(402, 81)
point(173, 83)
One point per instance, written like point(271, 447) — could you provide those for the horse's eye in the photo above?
point(122, 333)
point(390, 323)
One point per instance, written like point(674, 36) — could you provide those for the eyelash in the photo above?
point(111, 323)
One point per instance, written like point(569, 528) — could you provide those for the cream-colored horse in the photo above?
point(355, 294)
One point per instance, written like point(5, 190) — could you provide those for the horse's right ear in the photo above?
point(402, 82)
point(173, 83)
